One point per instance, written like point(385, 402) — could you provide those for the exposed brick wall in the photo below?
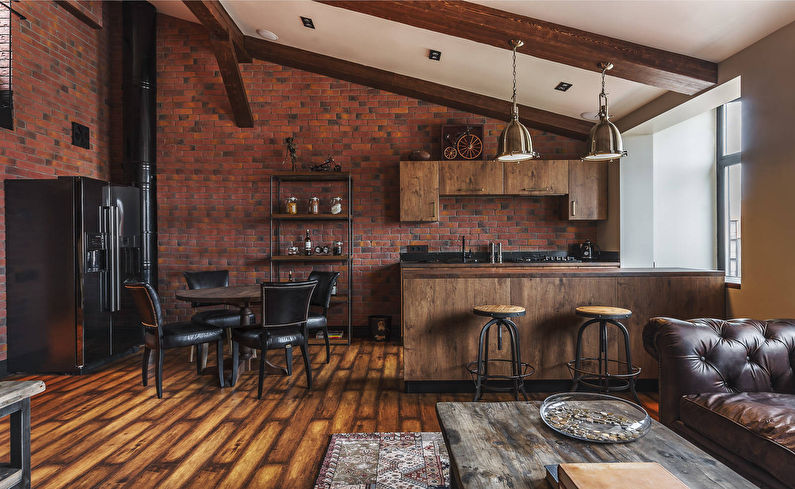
point(61, 73)
point(213, 177)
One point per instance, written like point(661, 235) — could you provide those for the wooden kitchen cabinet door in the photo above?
point(470, 178)
point(419, 191)
point(587, 190)
point(536, 177)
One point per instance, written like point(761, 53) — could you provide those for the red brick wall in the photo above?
point(61, 73)
point(213, 177)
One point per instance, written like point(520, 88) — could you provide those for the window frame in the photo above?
point(722, 163)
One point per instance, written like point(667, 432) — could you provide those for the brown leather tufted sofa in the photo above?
point(729, 387)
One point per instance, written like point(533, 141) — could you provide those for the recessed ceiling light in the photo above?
point(563, 86)
point(266, 34)
point(434, 54)
point(307, 22)
point(590, 116)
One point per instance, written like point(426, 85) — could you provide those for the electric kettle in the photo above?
point(588, 250)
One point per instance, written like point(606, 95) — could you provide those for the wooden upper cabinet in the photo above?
point(587, 190)
point(419, 191)
point(536, 177)
point(470, 178)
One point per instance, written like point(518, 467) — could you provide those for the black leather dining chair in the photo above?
point(321, 300)
point(285, 308)
point(160, 336)
point(219, 317)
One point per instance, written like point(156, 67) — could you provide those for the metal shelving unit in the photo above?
point(276, 220)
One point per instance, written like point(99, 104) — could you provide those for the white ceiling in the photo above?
point(710, 30)
point(707, 29)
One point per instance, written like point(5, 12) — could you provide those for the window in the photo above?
point(6, 106)
point(729, 170)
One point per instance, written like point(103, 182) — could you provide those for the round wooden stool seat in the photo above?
point(498, 311)
point(603, 312)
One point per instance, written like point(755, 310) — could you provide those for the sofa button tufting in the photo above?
point(702, 359)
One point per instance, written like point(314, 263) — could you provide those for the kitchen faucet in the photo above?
point(465, 254)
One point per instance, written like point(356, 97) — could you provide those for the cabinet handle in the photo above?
point(435, 217)
point(539, 189)
point(481, 189)
point(573, 207)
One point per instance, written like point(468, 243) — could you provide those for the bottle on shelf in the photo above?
point(308, 244)
point(290, 276)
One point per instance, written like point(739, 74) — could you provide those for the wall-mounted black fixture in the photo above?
point(7, 109)
point(563, 86)
point(81, 135)
point(307, 22)
point(434, 54)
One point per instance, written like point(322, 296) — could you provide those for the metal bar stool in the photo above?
point(479, 370)
point(597, 372)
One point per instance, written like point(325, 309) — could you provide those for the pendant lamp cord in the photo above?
point(604, 70)
point(603, 94)
point(513, 97)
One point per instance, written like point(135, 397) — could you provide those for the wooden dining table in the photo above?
point(241, 296)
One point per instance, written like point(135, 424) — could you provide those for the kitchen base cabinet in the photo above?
point(440, 332)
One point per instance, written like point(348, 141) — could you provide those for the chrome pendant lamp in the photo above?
point(515, 143)
point(604, 141)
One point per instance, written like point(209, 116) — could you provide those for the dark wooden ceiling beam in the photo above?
point(222, 41)
point(233, 83)
point(414, 87)
point(214, 17)
point(554, 42)
point(74, 8)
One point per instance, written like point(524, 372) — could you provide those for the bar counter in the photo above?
point(440, 333)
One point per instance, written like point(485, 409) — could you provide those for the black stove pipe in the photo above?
point(139, 114)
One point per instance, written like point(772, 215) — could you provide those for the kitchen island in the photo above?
point(440, 333)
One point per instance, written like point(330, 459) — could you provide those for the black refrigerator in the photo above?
point(71, 243)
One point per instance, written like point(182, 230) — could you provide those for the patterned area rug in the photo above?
point(385, 461)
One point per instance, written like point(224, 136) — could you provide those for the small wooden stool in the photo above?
point(500, 315)
point(582, 369)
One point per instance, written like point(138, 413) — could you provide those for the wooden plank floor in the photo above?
point(107, 430)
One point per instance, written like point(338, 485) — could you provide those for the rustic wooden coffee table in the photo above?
point(506, 444)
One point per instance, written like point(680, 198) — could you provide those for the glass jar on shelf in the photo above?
point(314, 205)
point(291, 205)
point(336, 205)
point(337, 248)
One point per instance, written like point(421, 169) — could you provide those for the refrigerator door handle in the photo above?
point(115, 265)
point(111, 246)
point(107, 284)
